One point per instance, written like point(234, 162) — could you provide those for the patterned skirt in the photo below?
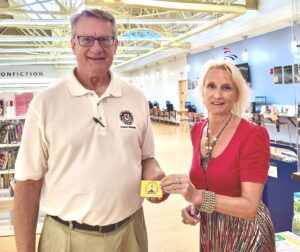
point(225, 233)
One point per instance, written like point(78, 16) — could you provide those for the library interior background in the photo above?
point(163, 45)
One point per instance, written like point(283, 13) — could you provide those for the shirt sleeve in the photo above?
point(31, 162)
point(255, 156)
point(148, 138)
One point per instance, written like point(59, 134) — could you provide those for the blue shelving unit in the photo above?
point(278, 192)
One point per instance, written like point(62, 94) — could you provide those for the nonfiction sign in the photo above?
point(33, 72)
point(7, 74)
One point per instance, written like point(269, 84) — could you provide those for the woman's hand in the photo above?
point(190, 215)
point(181, 184)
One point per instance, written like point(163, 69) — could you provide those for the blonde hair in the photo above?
point(237, 79)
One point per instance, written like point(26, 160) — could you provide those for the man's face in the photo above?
point(96, 59)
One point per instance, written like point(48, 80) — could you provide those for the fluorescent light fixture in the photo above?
point(60, 49)
point(160, 21)
point(43, 22)
point(12, 85)
point(157, 74)
point(64, 56)
point(9, 22)
point(10, 38)
point(63, 62)
point(35, 81)
point(71, 62)
point(188, 68)
point(31, 50)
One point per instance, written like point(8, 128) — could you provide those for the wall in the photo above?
point(265, 52)
point(159, 82)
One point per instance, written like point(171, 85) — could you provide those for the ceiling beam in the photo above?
point(167, 5)
point(53, 23)
point(180, 38)
point(252, 4)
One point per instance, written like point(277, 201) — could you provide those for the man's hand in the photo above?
point(152, 171)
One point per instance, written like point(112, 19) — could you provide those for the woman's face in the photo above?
point(219, 94)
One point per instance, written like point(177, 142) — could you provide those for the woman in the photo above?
point(229, 169)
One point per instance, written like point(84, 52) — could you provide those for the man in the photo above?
point(86, 145)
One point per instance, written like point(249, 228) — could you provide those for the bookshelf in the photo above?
point(11, 129)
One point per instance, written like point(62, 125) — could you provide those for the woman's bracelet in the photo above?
point(208, 202)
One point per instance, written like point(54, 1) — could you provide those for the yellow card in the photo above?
point(151, 188)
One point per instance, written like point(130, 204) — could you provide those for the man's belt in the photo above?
point(83, 226)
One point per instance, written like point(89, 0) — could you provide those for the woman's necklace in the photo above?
point(209, 145)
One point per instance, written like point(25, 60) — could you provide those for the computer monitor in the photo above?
point(187, 104)
point(245, 71)
point(170, 107)
point(262, 100)
point(192, 108)
point(259, 102)
point(150, 105)
point(156, 104)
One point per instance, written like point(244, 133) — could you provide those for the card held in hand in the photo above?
point(151, 188)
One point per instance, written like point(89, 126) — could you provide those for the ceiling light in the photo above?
point(245, 55)
point(60, 56)
point(71, 62)
point(59, 49)
point(245, 52)
point(10, 38)
point(188, 68)
point(157, 74)
point(37, 22)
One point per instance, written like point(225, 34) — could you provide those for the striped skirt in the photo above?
point(225, 233)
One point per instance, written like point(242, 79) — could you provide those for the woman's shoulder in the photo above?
point(198, 126)
point(253, 130)
point(197, 129)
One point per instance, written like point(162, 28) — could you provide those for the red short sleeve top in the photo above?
point(245, 159)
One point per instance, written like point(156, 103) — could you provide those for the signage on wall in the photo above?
point(288, 74)
point(29, 74)
point(297, 73)
point(291, 74)
point(228, 54)
point(278, 75)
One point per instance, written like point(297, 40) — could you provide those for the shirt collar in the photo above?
point(77, 89)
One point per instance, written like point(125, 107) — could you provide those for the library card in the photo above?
point(151, 188)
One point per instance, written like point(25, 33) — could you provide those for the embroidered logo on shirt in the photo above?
point(126, 118)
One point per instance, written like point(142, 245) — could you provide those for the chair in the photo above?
point(272, 120)
point(183, 120)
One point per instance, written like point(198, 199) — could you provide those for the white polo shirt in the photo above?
point(91, 168)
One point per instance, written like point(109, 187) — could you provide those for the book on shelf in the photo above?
point(3, 160)
point(5, 180)
point(11, 132)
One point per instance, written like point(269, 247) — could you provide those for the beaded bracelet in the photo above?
point(208, 202)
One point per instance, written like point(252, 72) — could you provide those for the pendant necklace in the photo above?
point(209, 145)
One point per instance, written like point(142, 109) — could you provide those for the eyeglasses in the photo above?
point(88, 41)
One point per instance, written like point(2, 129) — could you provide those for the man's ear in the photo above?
point(116, 43)
point(72, 42)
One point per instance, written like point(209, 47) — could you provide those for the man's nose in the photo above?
point(97, 45)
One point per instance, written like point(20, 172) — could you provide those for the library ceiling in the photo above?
point(38, 32)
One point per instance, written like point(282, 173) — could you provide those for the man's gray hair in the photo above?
point(96, 13)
